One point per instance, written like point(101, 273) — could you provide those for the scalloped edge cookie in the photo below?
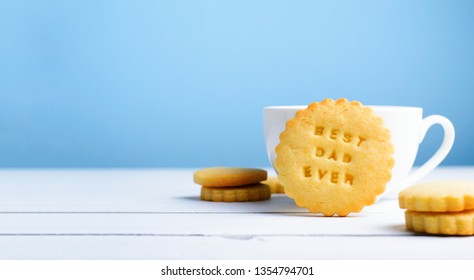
point(460, 223)
point(256, 192)
point(335, 184)
point(438, 196)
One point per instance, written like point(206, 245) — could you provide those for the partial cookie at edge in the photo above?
point(274, 184)
point(438, 196)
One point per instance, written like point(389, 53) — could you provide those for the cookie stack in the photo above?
point(439, 207)
point(227, 184)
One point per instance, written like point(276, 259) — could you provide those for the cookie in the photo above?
point(458, 223)
point(256, 192)
point(274, 184)
point(229, 176)
point(438, 196)
point(334, 157)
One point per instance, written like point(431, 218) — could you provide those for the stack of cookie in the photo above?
point(439, 207)
point(227, 184)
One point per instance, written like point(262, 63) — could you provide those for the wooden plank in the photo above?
point(222, 224)
point(202, 247)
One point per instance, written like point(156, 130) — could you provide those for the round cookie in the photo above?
point(256, 192)
point(229, 176)
point(274, 184)
point(334, 157)
point(460, 223)
point(438, 196)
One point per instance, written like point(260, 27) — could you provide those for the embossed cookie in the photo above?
point(274, 184)
point(256, 192)
point(438, 196)
point(334, 157)
point(229, 176)
point(458, 223)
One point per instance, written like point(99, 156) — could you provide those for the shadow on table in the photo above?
point(278, 204)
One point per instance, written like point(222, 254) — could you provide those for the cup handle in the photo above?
point(442, 152)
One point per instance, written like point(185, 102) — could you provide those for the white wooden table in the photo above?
point(157, 214)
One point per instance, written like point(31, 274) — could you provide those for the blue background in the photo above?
point(183, 83)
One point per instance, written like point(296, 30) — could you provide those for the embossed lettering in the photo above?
point(319, 130)
point(319, 152)
point(321, 173)
point(334, 177)
point(338, 154)
point(346, 158)
point(348, 179)
point(361, 139)
point(347, 138)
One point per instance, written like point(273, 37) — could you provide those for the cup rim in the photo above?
point(374, 107)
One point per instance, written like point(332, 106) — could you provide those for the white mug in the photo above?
point(408, 129)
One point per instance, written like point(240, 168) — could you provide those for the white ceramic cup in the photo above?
point(408, 129)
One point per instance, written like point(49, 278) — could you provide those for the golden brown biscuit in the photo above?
point(453, 223)
point(438, 196)
point(334, 157)
point(274, 184)
point(229, 176)
point(256, 192)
